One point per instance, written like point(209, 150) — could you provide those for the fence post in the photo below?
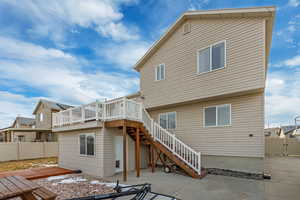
point(18, 151)
point(44, 149)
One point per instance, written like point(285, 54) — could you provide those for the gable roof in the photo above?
point(52, 105)
point(288, 129)
point(267, 12)
point(24, 121)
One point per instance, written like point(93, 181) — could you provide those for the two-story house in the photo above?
point(201, 101)
point(36, 129)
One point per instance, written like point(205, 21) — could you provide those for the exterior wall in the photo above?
point(29, 136)
point(27, 150)
point(47, 117)
point(70, 158)
point(103, 163)
point(245, 62)
point(247, 118)
point(241, 164)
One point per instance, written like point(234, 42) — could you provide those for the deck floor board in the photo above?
point(37, 173)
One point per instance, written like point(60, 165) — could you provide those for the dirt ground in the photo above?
point(26, 164)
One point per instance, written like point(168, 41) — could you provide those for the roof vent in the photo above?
point(186, 28)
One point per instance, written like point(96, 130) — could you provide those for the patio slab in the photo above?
point(210, 187)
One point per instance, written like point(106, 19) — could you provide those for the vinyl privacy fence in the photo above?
point(27, 150)
point(282, 146)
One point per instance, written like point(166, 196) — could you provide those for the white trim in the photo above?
point(164, 68)
point(210, 57)
point(216, 106)
point(86, 135)
point(166, 113)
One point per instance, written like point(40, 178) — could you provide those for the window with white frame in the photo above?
point(87, 144)
point(217, 115)
point(168, 120)
point(160, 72)
point(212, 58)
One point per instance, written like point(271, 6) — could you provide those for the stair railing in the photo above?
point(172, 143)
point(124, 108)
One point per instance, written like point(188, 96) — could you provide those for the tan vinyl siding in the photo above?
point(103, 163)
point(247, 118)
point(47, 117)
point(244, 62)
point(70, 158)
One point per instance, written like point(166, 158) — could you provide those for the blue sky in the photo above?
point(77, 51)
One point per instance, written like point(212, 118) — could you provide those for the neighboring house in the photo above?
point(36, 129)
point(201, 101)
point(272, 132)
point(288, 131)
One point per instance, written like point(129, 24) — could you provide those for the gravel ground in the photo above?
point(75, 185)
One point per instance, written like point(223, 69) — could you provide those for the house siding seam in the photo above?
point(247, 118)
point(244, 64)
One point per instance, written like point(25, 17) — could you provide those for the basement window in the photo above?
point(87, 144)
point(217, 115)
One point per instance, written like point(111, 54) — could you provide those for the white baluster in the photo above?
point(97, 110)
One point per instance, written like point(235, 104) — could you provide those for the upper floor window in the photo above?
point(217, 115)
point(168, 120)
point(41, 117)
point(160, 72)
point(87, 144)
point(212, 58)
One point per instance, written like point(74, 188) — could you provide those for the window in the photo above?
point(160, 72)
point(87, 144)
point(217, 115)
point(168, 120)
point(41, 117)
point(212, 58)
point(21, 138)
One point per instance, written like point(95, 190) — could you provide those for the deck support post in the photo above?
point(152, 159)
point(124, 153)
point(137, 153)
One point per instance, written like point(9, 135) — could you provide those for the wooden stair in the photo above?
point(147, 139)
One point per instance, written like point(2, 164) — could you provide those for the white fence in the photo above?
point(132, 110)
point(27, 150)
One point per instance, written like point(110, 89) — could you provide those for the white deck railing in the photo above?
point(132, 110)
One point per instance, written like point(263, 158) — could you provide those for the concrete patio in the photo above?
point(187, 188)
point(285, 183)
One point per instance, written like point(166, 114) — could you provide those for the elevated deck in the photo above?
point(134, 120)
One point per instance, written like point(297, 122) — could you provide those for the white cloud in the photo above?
point(294, 3)
point(58, 75)
point(118, 31)
point(125, 55)
point(291, 62)
point(282, 97)
point(60, 16)
point(13, 105)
